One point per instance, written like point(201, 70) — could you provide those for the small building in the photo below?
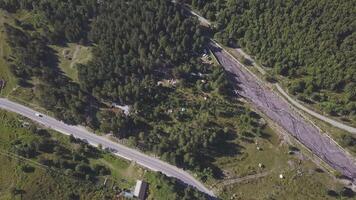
point(140, 190)
point(128, 195)
point(125, 108)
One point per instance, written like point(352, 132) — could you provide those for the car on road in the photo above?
point(109, 149)
point(38, 115)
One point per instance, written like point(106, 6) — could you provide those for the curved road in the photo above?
point(279, 111)
point(93, 139)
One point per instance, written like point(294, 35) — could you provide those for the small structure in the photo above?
point(125, 109)
point(167, 83)
point(281, 176)
point(160, 83)
point(260, 165)
point(140, 190)
point(128, 195)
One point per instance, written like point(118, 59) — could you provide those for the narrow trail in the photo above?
point(245, 178)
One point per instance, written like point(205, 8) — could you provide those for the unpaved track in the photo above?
point(245, 178)
point(279, 111)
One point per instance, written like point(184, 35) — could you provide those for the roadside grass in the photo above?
point(5, 72)
point(160, 190)
point(40, 182)
point(47, 183)
point(44, 182)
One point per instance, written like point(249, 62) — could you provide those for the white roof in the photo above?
point(125, 108)
point(137, 188)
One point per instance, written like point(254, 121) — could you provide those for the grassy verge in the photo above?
point(5, 73)
point(27, 174)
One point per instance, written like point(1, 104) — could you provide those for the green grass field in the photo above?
point(42, 182)
point(302, 178)
point(5, 73)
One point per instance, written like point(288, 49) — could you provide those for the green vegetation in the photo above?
point(71, 55)
point(311, 43)
point(41, 164)
point(302, 178)
point(5, 73)
point(147, 55)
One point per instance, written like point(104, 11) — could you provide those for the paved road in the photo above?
point(122, 151)
point(279, 110)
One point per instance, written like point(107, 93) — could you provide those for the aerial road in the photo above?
point(93, 139)
point(280, 111)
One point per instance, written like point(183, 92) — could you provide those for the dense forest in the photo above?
point(136, 41)
point(310, 42)
point(62, 20)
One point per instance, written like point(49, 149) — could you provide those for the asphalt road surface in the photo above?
point(279, 111)
point(93, 139)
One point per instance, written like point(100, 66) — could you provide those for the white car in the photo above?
point(38, 115)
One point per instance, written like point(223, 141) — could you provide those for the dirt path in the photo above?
point(245, 178)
